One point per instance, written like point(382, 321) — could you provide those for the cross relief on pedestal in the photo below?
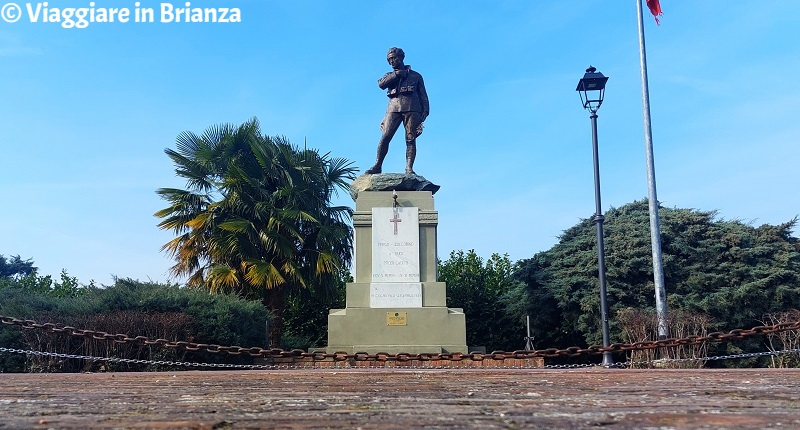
point(395, 220)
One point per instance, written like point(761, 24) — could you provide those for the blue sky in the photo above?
point(85, 114)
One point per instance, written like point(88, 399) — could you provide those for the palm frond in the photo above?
point(327, 263)
point(222, 277)
point(199, 175)
point(264, 274)
point(187, 144)
point(199, 221)
point(235, 225)
point(197, 280)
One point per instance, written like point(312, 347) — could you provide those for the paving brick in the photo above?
point(394, 398)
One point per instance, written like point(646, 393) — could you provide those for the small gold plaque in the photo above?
point(396, 318)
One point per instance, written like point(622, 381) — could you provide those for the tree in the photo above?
point(15, 267)
point(728, 270)
point(480, 290)
point(531, 297)
point(305, 322)
point(23, 275)
point(256, 218)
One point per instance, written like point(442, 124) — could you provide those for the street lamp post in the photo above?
point(592, 89)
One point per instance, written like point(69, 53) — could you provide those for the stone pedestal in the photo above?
point(396, 304)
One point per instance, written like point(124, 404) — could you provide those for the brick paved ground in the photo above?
point(408, 398)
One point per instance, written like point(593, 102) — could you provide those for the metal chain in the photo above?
point(402, 357)
point(627, 364)
point(136, 361)
point(714, 358)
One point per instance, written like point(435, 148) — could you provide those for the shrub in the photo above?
point(157, 311)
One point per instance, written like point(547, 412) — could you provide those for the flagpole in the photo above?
point(655, 226)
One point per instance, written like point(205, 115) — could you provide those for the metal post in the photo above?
point(266, 333)
point(655, 225)
point(601, 257)
point(528, 339)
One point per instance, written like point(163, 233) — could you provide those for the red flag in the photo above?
point(655, 9)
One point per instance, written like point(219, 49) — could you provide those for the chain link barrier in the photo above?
point(402, 358)
point(714, 358)
point(627, 364)
point(137, 361)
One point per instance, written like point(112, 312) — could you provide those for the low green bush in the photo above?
point(135, 308)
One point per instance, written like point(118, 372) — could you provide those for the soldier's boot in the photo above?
point(383, 149)
point(411, 154)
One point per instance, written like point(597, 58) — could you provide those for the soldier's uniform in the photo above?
point(408, 104)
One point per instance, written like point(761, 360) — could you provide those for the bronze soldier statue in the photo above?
point(408, 103)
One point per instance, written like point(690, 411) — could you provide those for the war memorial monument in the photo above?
point(395, 303)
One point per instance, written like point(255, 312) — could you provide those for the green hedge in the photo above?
point(134, 308)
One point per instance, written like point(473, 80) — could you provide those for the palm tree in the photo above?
point(256, 218)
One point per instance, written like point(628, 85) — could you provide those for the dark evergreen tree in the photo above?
point(15, 267)
point(731, 271)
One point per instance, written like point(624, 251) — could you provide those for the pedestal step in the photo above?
point(410, 330)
